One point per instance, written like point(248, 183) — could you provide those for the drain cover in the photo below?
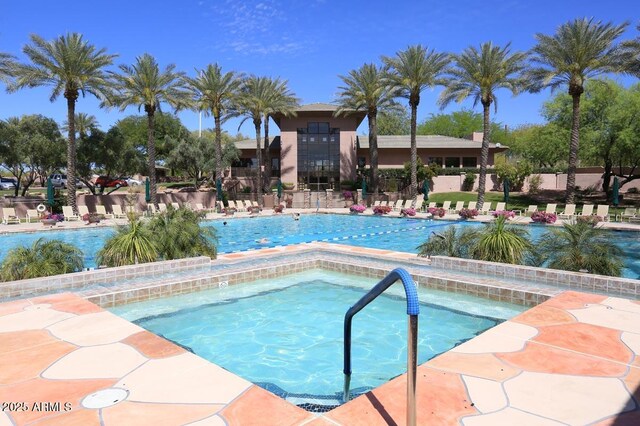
point(105, 398)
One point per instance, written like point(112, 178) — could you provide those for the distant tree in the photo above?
point(632, 55)
point(368, 89)
point(84, 124)
point(44, 258)
point(146, 86)
point(394, 122)
point(168, 129)
point(579, 50)
point(71, 66)
point(479, 74)
point(215, 92)
point(412, 71)
point(543, 145)
point(462, 124)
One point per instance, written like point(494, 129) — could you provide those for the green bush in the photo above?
point(469, 180)
point(515, 173)
point(42, 259)
point(535, 182)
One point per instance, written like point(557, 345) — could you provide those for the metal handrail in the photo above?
point(413, 310)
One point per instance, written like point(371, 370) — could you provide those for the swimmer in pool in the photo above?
point(263, 240)
point(296, 216)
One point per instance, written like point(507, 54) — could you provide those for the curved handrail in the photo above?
point(413, 310)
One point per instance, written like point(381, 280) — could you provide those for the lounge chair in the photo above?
point(376, 203)
point(232, 204)
point(162, 207)
point(419, 201)
point(100, 209)
point(486, 208)
point(398, 205)
point(82, 210)
point(530, 210)
point(472, 205)
point(175, 205)
point(117, 212)
point(407, 204)
point(67, 211)
point(255, 204)
point(629, 212)
point(239, 206)
point(603, 212)
point(587, 210)
point(569, 212)
point(433, 205)
point(9, 215)
point(151, 210)
point(31, 215)
point(220, 206)
point(446, 206)
point(500, 206)
point(551, 208)
point(459, 206)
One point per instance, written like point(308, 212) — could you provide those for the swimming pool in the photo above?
point(366, 231)
point(285, 334)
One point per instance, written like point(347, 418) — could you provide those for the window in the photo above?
point(452, 162)
point(469, 161)
point(435, 160)
point(318, 155)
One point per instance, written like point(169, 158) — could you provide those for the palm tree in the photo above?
point(71, 66)
point(580, 246)
point(579, 50)
point(177, 233)
point(7, 66)
point(254, 102)
point(84, 124)
point(42, 259)
point(479, 74)
point(453, 242)
point(132, 244)
point(633, 51)
point(414, 70)
point(368, 89)
point(500, 242)
point(214, 93)
point(282, 101)
point(145, 85)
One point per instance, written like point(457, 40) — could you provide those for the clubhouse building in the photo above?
point(316, 150)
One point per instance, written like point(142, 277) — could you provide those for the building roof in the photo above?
point(317, 107)
point(251, 143)
point(425, 141)
point(320, 109)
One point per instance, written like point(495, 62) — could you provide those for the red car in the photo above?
point(107, 182)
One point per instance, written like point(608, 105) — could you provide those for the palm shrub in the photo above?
point(132, 244)
point(453, 242)
point(500, 242)
point(42, 259)
point(579, 246)
point(177, 234)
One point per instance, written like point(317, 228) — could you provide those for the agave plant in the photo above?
point(453, 242)
point(42, 259)
point(132, 244)
point(579, 246)
point(500, 242)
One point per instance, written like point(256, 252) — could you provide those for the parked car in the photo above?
point(8, 183)
point(131, 181)
point(59, 180)
point(107, 182)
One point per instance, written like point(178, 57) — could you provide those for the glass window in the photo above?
point(435, 160)
point(318, 156)
point(469, 161)
point(323, 127)
point(312, 127)
point(452, 162)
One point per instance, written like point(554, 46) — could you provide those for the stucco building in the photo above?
point(317, 150)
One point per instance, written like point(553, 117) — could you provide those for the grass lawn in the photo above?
point(517, 201)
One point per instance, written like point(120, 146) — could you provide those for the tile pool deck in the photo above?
point(570, 360)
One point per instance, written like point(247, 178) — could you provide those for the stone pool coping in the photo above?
point(572, 359)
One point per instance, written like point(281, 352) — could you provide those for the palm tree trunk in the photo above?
point(373, 149)
point(257, 124)
point(414, 152)
point(71, 151)
point(151, 152)
point(573, 149)
point(267, 155)
point(216, 118)
point(484, 155)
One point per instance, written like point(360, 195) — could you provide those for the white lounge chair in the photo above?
point(247, 205)
point(530, 210)
point(472, 205)
point(239, 206)
point(398, 205)
point(162, 207)
point(376, 203)
point(117, 211)
point(220, 206)
point(175, 205)
point(9, 215)
point(446, 206)
point(500, 206)
point(486, 208)
point(67, 211)
point(100, 209)
point(587, 210)
point(151, 210)
point(232, 204)
point(629, 213)
point(569, 212)
point(419, 201)
point(551, 208)
point(459, 206)
point(32, 214)
point(407, 204)
point(82, 210)
point(603, 212)
point(433, 205)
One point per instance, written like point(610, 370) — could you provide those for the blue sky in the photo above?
point(309, 43)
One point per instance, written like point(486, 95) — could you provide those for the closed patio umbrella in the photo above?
point(219, 188)
point(425, 189)
point(279, 188)
point(616, 192)
point(147, 190)
point(364, 190)
point(505, 188)
point(50, 193)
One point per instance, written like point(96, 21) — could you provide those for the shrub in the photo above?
point(246, 190)
point(544, 217)
point(381, 210)
point(357, 208)
point(499, 242)
point(57, 216)
point(42, 259)
point(507, 214)
point(132, 244)
point(515, 173)
point(437, 211)
point(348, 195)
point(408, 212)
point(468, 213)
point(592, 220)
point(469, 180)
point(535, 182)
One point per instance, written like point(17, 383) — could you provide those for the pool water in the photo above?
point(366, 231)
point(286, 335)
